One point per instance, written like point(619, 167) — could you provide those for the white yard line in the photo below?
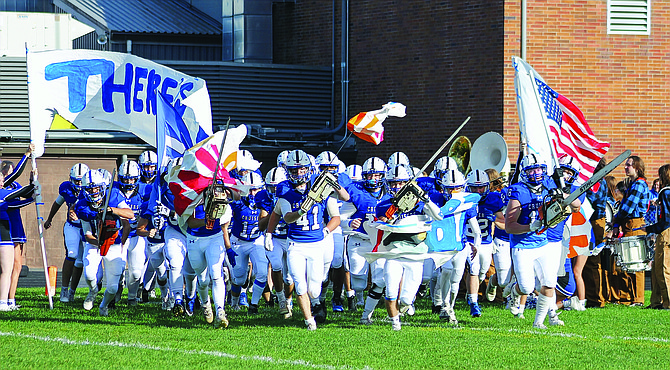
point(266, 359)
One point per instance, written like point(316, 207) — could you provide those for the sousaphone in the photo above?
point(490, 151)
point(460, 152)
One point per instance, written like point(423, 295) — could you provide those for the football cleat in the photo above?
point(366, 320)
point(319, 313)
point(236, 307)
point(555, 321)
point(145, 296)
point(289, 305)
point(253, 309)
point(539, 325)
point(436, 309)
point(221, 319)
point(311, 324)
point(444, 313)
point(283, 308)
point(421, 293)
point(132, 302)
point(491, 291)
point(65, 295)
point(178, 309)
point(90, 298)
point(351, 303)
point(104, 311)
point(475, 311)
point(520, 316)
point(337, 305)
point(189, 306)
point(396, 326)
point(5, 308)
point(243, 299)
point(207, 312)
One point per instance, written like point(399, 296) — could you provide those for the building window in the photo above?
point(629, 17)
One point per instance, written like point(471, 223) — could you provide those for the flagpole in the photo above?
point(38, 203)
point(554, 156)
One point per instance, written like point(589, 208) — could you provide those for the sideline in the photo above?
point(185, 352)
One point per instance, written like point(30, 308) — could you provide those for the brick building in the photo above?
point(452, 59)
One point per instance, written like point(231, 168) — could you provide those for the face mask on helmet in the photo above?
point(273, 178)
point(328, 161)
point(453, 180)
point(571, 169)
point(533, 171)
point(298, 166)
point(478, 182)
point(129, 175)
point(94, 188)
point(397, 177)
point(77, 173)
point(255, 182)
point(442, 165)
point(374, 170)
point(148, 163)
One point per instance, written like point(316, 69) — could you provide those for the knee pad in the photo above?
point(376, 292)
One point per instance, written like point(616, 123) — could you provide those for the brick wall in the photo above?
point(620, 82)
point(443, 60)
point(52, 172)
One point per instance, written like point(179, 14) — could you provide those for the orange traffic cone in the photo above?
point(51, 289)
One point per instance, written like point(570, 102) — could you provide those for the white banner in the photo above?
point(98, 90)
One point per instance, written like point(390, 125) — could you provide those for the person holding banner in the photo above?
point(630, 221)
point(594, 272)
point(660, 266)
point(10, 201)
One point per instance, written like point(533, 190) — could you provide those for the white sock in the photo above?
point(11, 302)
point(310, 321)
point(473, 297)
point(396, 319)
point(351, 293)
point(552, 307)
point(542, 308)
point(370, 304)
point(281, 296)
point(583, 302)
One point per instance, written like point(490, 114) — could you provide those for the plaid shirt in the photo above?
point(664, 219)
point(598, 200)
point(635, 202)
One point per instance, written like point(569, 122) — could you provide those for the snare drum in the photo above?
point(634, 252)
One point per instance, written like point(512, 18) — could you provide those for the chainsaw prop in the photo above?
point(406, 199)
point(217, 197)
point(108, 230)
point(324, 185)
point(556, 208)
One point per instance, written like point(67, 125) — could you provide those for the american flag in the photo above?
point(570, 133)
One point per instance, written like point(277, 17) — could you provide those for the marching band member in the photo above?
point(594, 274)
point(489, 215)
point(630, 221)
point(306, 232)
point(104, 243)
point(660, 266)
point(73, 265)
point(247, 244)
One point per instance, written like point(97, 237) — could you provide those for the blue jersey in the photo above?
point(199, 213)
point(134, 201)
point(486, 210)
point(147, 213)
point(366, 204)
point(555, 234)
point(267, 201)
point(309, 227)
point(71, 195)
point(430, 185)
point(145, 189)
point(501, 233)
point(245, 220)
point(86, 213)
point(531, 203)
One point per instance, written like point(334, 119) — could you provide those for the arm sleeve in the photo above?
point(332, 207)
point(284, 207)
point(474, 226)
point(18, 169)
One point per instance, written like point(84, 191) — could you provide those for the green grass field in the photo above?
point(145, 337)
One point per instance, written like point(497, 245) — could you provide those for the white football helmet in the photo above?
point(442, 165)
point(148, 162)
point(281, 158)
point(296, 160)
point(453, 179)
point(327, 159)
point(253, 179)
point(570, 163)
point(531, 162)
point(478, 178)
point(355, 172)
point(129, 176)
point(275, 176)
point(94, 188)
point(77, 172)
point(396, 177)
point(397, 158)
point(373, 165)
point(106, 175)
